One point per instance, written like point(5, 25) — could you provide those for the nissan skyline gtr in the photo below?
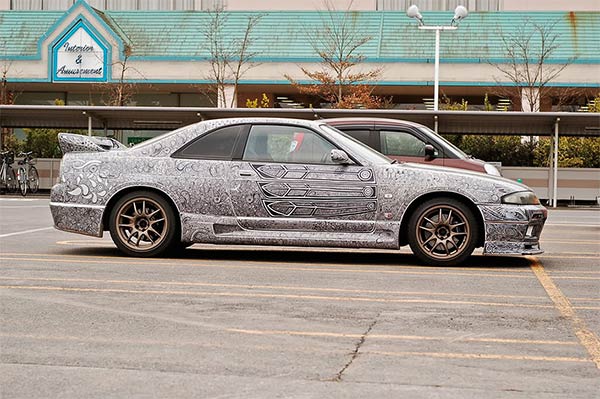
point(269, 181)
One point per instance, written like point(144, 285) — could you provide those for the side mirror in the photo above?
point(339, 156)
point(430, 153)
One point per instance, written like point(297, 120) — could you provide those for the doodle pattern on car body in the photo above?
point(199, 190)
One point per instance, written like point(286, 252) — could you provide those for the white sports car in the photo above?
point(284, 182)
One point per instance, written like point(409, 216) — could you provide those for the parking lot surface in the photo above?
point(80, 320)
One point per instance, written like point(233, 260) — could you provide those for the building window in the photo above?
point(40, 98)
point(162, 5)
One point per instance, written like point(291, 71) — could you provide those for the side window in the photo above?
point(401, 143)
point(275, 143)
point(218, 144)
point(360, 135)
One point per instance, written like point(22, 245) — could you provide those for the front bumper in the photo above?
point(513, 229)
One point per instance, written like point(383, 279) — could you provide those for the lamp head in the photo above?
point(460, 13)
point(413, 12)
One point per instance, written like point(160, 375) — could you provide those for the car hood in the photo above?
point(455, 172)
point(411, 180)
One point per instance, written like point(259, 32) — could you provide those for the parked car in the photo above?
point(284, 182)
point(410, 142)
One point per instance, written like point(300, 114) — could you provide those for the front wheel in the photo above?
point(33, 180)
point(22, 181)
point(443, 232)
point(142, 224)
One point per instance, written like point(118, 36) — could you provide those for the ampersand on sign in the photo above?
point(78, 59)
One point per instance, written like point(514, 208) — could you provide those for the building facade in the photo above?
point(157, 52)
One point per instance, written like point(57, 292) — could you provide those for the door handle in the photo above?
point(245, 173)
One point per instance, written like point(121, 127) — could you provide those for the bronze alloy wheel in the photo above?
point(144, 223)
point(443, 232)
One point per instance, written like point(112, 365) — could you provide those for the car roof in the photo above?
point(375, 121)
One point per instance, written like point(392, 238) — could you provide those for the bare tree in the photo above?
point(340, 80)
point(229, 57)
point(527, 50)
point(120, 92)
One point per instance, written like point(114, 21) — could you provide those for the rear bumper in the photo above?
point(77, 218)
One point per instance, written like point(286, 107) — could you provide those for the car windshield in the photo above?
point(457, 150)
point(354, 145)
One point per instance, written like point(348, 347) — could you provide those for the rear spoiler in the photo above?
point(70, 142)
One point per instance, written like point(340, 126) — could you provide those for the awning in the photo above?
point(168, 118)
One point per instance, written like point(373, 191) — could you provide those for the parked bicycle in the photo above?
point(27, 174)
point(8, 179)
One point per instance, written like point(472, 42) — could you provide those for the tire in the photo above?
point(22, 181)
point(11, 181)
point(443, 232)
point(143, 224)
point(34, 180)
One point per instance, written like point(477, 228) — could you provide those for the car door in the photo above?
point(286, 180)
point(407, 146)
point(202, 170)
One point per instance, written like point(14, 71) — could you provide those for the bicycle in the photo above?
point(8, 179)
point(27, 174)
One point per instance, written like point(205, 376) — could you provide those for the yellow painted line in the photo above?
point(280, 296)
point(594, 257)
point(480, 356)
point(586, 337)
point(402, 337)
point(269, 287)
point(125, 259)
point(560, 241)
point(585, 299)
point(256, 265)
point(575, 278)
point(317, 334)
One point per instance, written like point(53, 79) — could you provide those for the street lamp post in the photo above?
point(459, 13)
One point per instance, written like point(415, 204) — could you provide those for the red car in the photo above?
point(409, 142)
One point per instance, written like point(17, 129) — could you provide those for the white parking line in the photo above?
point(23, 199)
point(16, 233)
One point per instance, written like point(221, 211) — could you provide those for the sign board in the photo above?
point(79, 56)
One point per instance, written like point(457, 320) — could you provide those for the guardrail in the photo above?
point(579, 184)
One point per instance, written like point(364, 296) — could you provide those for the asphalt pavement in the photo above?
point(78, 319)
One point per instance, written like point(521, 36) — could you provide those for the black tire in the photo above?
point(11, 181)
point(33, 180)
point(22, 181)
point(443, 232)
point(143, 224)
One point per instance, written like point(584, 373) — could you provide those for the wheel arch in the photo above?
point(439, 194)
point(124, 191)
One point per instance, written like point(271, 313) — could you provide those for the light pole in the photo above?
point(459, 13)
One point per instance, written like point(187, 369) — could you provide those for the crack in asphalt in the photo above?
point(361, 341)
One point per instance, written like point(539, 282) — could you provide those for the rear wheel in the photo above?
point(33, 180)
point(142, 224)
point(443, 232)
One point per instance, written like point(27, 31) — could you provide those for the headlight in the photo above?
point(491, 169)
point(521, 198)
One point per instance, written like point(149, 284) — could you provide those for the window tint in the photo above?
point(401, 143)
point(218, 144)
point(286, 144)
point(360, 135)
